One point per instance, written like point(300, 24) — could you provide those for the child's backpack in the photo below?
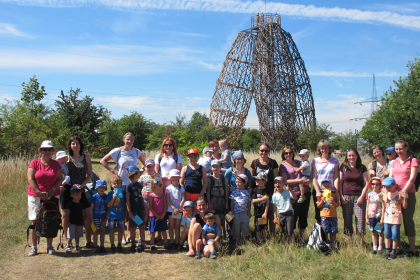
point(217, 195)
point(317, 239)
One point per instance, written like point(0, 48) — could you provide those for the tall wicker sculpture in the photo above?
point(263, 64)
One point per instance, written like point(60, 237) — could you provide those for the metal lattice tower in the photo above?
point(263, 64)
point(374, 97)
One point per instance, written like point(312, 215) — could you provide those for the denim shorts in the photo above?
point(113, 223)
point(392, 231)
point(372, 224)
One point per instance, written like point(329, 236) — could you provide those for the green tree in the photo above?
point(309, 137)
point(137, 124)
point(250, 140)
point(344, 141)
point(32, 94)
point(398, 115)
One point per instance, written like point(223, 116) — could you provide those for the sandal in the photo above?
point(89, 245)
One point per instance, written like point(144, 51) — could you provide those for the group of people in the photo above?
point(259, 19)
point(212, 196)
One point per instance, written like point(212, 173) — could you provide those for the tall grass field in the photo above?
point(272, 261)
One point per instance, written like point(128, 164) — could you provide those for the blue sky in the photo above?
point(162, 58)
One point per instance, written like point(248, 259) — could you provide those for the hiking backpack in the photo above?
point(317, 239)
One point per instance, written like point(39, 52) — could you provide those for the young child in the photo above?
point(99, 214)
point(329, 205)
point(205, 160)
point(194, 178)
point(261, 202)
point(116, 207)
point(136, 207)
point(210, 235)
point(225, 158)
point(374, 214)
point(392, 217)
point(76, 213)
point(305, 170)
point(283, 209)
point(146, 181)
point(217, 192)
point(175, 197)
point(62, 158)
point(241, 205)
point(186, 221)
point(157, 213)
point(391, 156)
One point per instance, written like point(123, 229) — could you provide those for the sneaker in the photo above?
point(379, 252)
point(50, 250)
point(258, 243)
point(301, 199)
point(197, 255)
point(386, 256)
point(167, 245)
point(400, 252)
point(186, 244)
point(139, 248)
point(392, 256)
point(301, 243)
point(113, 248)
point(102, 249)
point(95, 250)
point(153, 247)
point(410, 254)
point(133, 247)
point(123, 242)
point(179, 247)
point(119, 249)
point(373, 252)
point(68, 248)
point(213, 255)
point(173, 246)
point(78, 248)
point(33, 251)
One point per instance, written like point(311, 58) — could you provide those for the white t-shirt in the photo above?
point(125, 159)
point(206, 163)
point(175, 195)
point(167, 163)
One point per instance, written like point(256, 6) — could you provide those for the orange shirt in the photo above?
point(328, 209)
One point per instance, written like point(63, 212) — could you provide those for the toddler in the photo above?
point(146, 180)
point(136, 208)
point(374, 214)
point(116, 205)
point(241, 205)
point(205, 161)
point(157, 213)
point(328, 206)
point(210, 236)
point(175, 196)
point(282, 208)
point(391, 156)
point(392, 217)
point(186, 221)
point(305, 170)
point(62, 158)
point(261, 203)
point(225, 157)
point(99, 214)
point(75, 210)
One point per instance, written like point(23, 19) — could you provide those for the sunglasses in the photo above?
point(264, 151)
point(193, 156)
point(168, 145)
point(47, 149)
point(288, 153)
point(376, 184)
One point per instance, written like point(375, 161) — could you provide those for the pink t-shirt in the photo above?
point(285, 168)
point(45, 176)
point(393, 209)
point(401, 172)
point(157, 204)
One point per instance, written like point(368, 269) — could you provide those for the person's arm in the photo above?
point(146, 213)
point(275, 172)
point(362, 197)
point(249, 208)
point(224, 159)
point(157, 165)
point(128, 205)
point(341, 184)
point(413, 175)
point(367, 212)
point(104, 163)
point(34, 185)
point(182, 177)
point(203, 238)
point(142, 159)
point(297, 170)
point(231, 204)
point(151, 208)
point(267, 205)
point(320, 202)
point(294, 181)
point(337, 182)
point(169, 202)
point(292, 193)
point(275, 213)
point(258, 200)
point(165, 207)
point(92, 207)
point(89, 172)
point(205, 181)
point(111, 202)
point(334, 201)
point(403, 197)
point(315, 182)
point(383, 212)
point(57, 184)
point(181, 205)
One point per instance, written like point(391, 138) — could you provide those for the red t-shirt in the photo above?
point(45, 176)
point(401, 172)
point(353, 183)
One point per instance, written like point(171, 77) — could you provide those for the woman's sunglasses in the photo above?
point(265, 151)
point(288, 153)
point(47, 149)
point(193, 156)
point(168, 145)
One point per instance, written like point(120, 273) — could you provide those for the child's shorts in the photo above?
point(177, 217)
point(132, 223)
point(75, 231)
point(287, 222)
point(329, 224)
point(259, 227)
point(392, 231)
point(157, 225)
point(113, 223)
point(98, 223)
point(306, 177)
point(372, 224)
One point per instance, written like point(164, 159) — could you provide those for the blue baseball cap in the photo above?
point(75, 188)
point(389, 181)
point(326, 180)
point(132, 169)
point(100, 183)
point(390, 149)
point(215, 162)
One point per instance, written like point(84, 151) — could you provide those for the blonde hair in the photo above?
point(209, 216)
point(221, 141)
point(115, 179)
point(153, 185)
point(323, 143)
point(405, 144)
point(128, 134)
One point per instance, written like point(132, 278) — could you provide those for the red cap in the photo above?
point(193, 152)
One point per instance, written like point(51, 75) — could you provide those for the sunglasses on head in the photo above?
point(288, 153)
point(168, 145)
point(47, 149)
point(264, 151)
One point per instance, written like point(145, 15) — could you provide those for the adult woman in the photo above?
point(379, 167)
point(44, 177)
point(404, 171)
point(196, 226)
point(124, 157)
point(353, 187)
point(79, 169)
point(214, 145)
point(167, 160)
point(292, 178)
point(324, 166)
point(269, 167)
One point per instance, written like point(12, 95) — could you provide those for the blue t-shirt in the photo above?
point(116, 211)
point(100, 208)
point(282, 201)
point(231, 175)
point(228, 163)
point(240, 200)
point(210, 229)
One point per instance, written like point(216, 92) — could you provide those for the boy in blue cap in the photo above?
point(391, 155)
point(100, 215)
point(75, 210)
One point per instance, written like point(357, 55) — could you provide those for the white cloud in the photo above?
point(351, 74)
point(186, 34)
point(211, 66)
point(236, 6)
point(6, 28)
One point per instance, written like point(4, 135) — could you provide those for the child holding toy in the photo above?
point(175, 200)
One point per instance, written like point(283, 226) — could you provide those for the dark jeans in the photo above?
point(301, 211)
point(317, 210)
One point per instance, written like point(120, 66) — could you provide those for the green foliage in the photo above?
point(32, 94)
point(397, 117)
point(250, 140)
point(309, 136)
point(344, 141)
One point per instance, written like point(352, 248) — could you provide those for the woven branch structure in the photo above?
point(263, 64)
